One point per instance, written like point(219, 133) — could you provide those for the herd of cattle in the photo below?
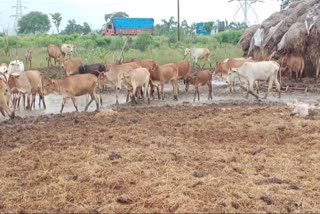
point(141, 77)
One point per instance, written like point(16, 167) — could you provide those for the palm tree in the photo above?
point(57, 18)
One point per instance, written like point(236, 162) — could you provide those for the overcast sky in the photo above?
point(92, 11)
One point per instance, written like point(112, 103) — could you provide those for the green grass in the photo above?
point(99, 49)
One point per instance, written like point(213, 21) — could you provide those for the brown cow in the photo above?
point(28, 82)
point(184, 70)
point(73, 86)
point(4, 108)
point(71, 66)
point(53, 52)
point(200, 78)
point(293, 64)
point(114, 71)
point(165, 73)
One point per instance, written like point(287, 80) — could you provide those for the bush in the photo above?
point(143, 41)
point(231, 37)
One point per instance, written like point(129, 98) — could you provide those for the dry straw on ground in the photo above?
point(255, 159)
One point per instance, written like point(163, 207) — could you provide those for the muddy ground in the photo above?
point(226, 155)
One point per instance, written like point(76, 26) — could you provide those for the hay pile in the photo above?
point(295, 30)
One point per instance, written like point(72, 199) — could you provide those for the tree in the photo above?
point(72, 27)
point(86, 29)
point(34, 22)
point(56, 17)
point(208, 26)
point(108, 17)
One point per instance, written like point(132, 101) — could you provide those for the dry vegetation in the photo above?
point(254, 159)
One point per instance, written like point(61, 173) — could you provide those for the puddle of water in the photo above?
point(220, 95)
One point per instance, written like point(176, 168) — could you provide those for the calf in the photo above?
point(256, 71)
point(4, 108)
point(67, 49)
point(73, 86)
point(200, 78)
point(165, 73)
point(53, 52)
point(222, 68)
point(138, 77)
point(28, 58)
point(114, 71)
point(294, 64)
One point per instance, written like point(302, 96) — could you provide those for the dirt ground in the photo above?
point(210, 158)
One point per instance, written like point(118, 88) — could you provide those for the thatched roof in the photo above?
point(295, 30)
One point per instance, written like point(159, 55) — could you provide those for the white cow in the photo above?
point(138, 77)
point(256, 71)
point(67, 49)
point(302, 109)
point(198, 53)
point(15, 66)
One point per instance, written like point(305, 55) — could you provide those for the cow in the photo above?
point(55, 53)
point(71, 66)
point(114, 71)
point(198, 53)
point(293, 64)
point(165, 73)
point(184, 70)
point(93, 67)
point(28, 58)
point(200, 78)
point(4, 108)
point(222, 69)
point(139, 77)
point(15, 66)
point(73, 86)
point(256, 71)
point(29, 82)
point(67, 49)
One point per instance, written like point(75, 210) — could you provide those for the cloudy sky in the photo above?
point(92, 11)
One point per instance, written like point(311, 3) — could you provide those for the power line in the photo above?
point(246, 6)
point(18, 14)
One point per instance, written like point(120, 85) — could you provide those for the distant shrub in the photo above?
point(231, 37)
point(143, 41)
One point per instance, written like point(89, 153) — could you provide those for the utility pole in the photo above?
point(178, 20)
point(18, 14)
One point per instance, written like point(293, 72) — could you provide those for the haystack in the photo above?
point(295, 30)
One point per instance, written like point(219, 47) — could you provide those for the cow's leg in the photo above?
point(33, 101)
point(257, 86)
point(9, 112)
point(317, 72)
point(147, 84)
point(276, 81)
point(92, 98)
point(210, 90)
point(250, 87)
point(117, 102)
point(97, 99)
point(271, 79)
point(175, 89)
point(2, 112)
point(63, 103)
point(198, 92)
point(28, 102)
point(128, 95)
point(74, 103)
point(195, 93)
point(162, 92)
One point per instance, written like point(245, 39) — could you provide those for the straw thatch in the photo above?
point(295, 30)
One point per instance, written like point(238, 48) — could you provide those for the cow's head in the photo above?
point(187, 52)
point(102, 78)
point(232, 75)
point(50, 87)
point(12, 79)
point(120, 81)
